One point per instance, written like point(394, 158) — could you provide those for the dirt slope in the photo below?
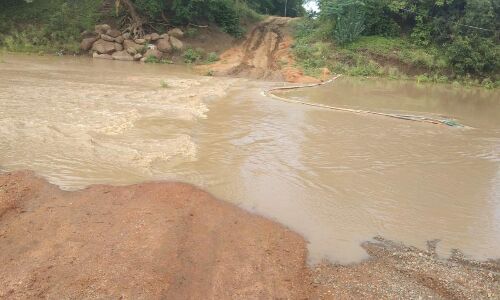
point(146, 241)
point(173, 241)
point(263, 54)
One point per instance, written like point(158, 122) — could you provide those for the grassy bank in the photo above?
point(52, 26)
point(395, 56)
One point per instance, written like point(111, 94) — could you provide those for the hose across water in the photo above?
point(416, 118)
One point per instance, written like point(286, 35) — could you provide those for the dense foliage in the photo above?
point(54, 25)
point(290, 8)
point(459, 37)
point(228, 14)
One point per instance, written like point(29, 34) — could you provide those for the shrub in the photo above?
point(349, 19)
point(192, 55)
point(473, 55)
point(212, 57)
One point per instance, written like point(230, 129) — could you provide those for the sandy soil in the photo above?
point(150, 241)
point(171, 240)
point(263, 54)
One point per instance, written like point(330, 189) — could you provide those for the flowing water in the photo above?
point(337, 178)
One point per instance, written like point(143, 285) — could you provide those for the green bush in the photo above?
point(151, 8)
point(192, 55)
point(474, 55)
point(212, 57)
point(349, 16)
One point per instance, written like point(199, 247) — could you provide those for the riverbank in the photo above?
point(161, 239)
point(389, 57)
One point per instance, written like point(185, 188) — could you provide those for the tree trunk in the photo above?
point(136, 22)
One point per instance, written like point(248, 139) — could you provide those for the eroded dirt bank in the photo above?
point(173, 241)
point(264, 54)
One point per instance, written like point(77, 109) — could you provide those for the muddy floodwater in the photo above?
point(337, 178)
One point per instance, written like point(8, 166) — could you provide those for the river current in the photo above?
point(337, 178)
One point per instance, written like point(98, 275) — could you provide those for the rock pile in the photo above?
point(108, 43)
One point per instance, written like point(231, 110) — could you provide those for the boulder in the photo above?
point(122, 55)
point(126, 36)
point(113, 32)
point(138, 56)
point(164, 36)
point(87, 43)
point(176, 44)
point(131, 44)
point(147, 37)
point(140, 41)
point(164, 45)
point(119, 39)
point(102, 28)
point(107, 38)
point(153, 52)
point(131, 51)
point(118, 47)
point(102, 56)
point(103, 47)
point(176, 32)
point(155, 36)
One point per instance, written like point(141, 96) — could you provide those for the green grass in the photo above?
point(399, 49)
point(45, 26)
point(154, 60)
point(372, 56)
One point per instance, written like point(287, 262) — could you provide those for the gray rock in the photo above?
point(131, 51)
point(140, 41)
point(153, 52)
point(131, 44)
point(126, 36)
point(87, 43)
point(103, 47)
point(101, 56)
point(113, 32)
point(138, 56)
point(176, 44)
point(176, 32)
point(102, 28)
point(164, 45)
point(155, 36)
point(118, 47)
point(119, 39)
point(107, 38)
point(122, 55)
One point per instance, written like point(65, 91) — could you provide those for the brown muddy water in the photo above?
point(335, 177)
